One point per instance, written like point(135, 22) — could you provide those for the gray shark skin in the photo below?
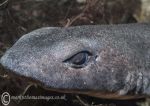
point(118, 64)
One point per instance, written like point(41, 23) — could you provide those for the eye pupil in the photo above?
point(79, 58)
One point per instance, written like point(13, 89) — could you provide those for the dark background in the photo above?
point(18, 17)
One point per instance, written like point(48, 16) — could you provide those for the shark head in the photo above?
point(110, 60)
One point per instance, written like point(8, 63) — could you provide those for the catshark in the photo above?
point(106, 61)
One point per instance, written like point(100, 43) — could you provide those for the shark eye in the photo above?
point(79, 60)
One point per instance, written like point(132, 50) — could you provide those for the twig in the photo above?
point(82, 102)
point(68, 11)
point(87, 6)
point(24, 92)
point(69, 22)
point(28, 87)
point(4, 76)
point(6, 1)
